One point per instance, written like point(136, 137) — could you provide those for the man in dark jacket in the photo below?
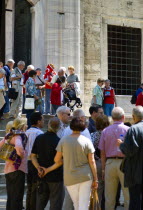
point(94, 111)
point(133, 165)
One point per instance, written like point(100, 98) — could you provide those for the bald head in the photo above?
point(138, 113)
point(118, 114)
point(78, 113)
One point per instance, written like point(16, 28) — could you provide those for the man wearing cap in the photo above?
point(40, 86)
point(16, 78)
point(8, 68)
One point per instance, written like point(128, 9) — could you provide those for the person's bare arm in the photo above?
point(94, 99)
point(103, 161)
point(15, 78)
point(34, 160)
point(36, 164)
point(92, 165)
point(115, 99)
point(58, 162)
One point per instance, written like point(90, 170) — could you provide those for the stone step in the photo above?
point(2, 165)
point(2, 189)
point(2, 178)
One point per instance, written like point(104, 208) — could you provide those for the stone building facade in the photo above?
point(75, 32)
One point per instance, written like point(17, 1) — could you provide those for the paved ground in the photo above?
point(3, 204)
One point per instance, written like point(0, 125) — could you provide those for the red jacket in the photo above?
point(56, 94)
point(26, 76)
point(139, 101)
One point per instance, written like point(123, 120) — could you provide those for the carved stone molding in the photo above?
point(6, 1)
point(33, 2)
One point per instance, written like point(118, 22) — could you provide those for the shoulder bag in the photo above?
point(6, 150)
point(94, 201)
point(29, 102)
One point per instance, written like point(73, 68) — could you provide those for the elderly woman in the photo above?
point(57, 94)
point(72, 76)
point(45, 148)
point(15, 168)
point(98, 93)
point(102, 122)
point(31, 91)
point(80, 173)
point(2, 89)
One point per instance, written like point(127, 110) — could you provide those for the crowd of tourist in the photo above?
point(76, 155)
point(45, 87)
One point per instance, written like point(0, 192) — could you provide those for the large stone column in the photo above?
point(9, 29)
point(63, 33)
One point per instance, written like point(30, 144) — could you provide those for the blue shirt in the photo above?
point(91, 126)
point(7, 73)
point(30, 87)
point(139, 90)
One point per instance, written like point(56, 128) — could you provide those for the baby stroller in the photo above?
point(72, 96)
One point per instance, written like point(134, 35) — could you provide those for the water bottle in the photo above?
point(121, 137)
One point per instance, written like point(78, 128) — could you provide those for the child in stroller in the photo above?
point(71, 96)
point(72, 90)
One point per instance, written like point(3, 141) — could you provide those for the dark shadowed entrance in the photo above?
point(2, 31)
point(22, 32)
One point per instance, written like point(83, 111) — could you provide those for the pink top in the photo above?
point(109, 136)
point(9, 167)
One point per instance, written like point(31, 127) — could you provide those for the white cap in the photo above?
point(10, 61)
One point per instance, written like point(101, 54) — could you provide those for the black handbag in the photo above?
point(12, 94)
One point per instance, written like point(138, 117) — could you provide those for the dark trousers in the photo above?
point(2, 110)
point(53, 191)
point(28, 115)
point(136, 197)
point(23, 102)
point(15, 182)
point(31, 187)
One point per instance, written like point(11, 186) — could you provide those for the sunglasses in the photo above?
point(68, 114)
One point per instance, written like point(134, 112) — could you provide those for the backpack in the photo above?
point(134, 98)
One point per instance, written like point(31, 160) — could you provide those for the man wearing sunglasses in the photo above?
point(63, 113)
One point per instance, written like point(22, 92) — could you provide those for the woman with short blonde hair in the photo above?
point(16, 166)
point(72, 76)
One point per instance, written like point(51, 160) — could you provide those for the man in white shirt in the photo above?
point(16, 78)
point(37, 123)
point(78, 113)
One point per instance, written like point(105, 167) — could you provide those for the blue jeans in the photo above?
point(7, 106)
point(108, 109)
point(40, 107)
point(54, 108)
point(47, 101)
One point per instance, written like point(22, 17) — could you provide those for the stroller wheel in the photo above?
point(79, 105)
